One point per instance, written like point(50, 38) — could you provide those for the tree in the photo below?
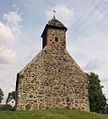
point(11, 96)
point(1, 95)
point(97, 99)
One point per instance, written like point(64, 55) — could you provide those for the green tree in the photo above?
point(11, 96)
point(1, 95)
point(97, 99)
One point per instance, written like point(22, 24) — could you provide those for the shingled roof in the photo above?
point(55, 24)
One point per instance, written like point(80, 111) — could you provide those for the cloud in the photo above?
point(6, 35)
point(13, 20)
point(9, 32)
point(94, 64)
point(62, 13)
point(7, 56)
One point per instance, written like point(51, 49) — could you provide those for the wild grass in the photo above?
point(51, 114)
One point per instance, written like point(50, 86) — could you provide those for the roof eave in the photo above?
point(53, 27)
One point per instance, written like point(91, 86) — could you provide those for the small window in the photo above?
point(56, 39)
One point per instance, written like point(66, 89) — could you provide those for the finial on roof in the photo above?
point(54, 14)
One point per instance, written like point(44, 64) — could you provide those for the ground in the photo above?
point(51, 114)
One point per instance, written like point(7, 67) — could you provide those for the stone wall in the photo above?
point(52, 80)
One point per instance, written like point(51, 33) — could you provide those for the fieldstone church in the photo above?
point(52, 79)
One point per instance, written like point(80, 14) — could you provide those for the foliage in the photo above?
point(106, 110)
point(1, 95)
point(11, 96)
point(97, 99)
point(6, 108)
point(51, 114)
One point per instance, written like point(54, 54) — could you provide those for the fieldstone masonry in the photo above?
point(52, 79)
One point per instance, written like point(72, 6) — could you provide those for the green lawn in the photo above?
point(50, 114)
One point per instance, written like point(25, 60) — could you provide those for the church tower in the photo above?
point(54, 35)
point(52, 79)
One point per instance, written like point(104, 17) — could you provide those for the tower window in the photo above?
point(56, 39)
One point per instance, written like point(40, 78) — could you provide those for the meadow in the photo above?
point(51, 114)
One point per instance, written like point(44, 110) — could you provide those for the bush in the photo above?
point(6, 108)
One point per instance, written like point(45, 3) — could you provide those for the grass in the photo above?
point(51, 114)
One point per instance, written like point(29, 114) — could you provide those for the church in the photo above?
point(52, 80)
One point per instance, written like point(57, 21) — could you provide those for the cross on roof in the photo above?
point(54, 13)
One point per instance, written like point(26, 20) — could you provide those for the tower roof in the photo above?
point(54, 24)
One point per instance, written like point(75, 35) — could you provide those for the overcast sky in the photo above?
point(21, 25)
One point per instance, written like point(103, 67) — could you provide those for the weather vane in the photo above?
point(54, 13)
